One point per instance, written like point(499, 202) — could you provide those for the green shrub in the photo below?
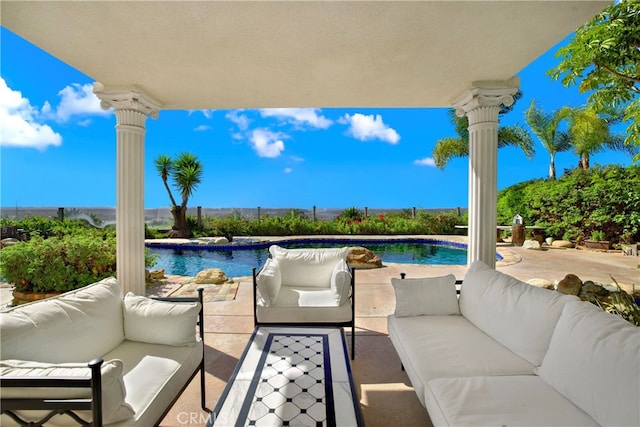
point(603, 199)
point(58, 264)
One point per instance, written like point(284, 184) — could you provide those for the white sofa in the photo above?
point(143, 352)
point(305, 286)
point(508, 353)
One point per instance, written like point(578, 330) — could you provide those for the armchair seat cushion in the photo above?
point(304, 315)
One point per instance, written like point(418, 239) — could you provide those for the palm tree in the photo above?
point(447, 148)
point(186, 172)
point(545, 127)
point(590, 133)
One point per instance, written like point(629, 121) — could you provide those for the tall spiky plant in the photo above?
point(186, 173)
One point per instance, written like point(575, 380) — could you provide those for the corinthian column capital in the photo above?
point(486, 94)
point(133, 99)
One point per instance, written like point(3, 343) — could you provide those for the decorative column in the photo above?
point(132, 108)
point(481, 104)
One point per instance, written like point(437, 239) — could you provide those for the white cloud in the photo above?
point(78, 100)
point(240, 120)
point(288, 170)
point(427, 161)
point(20, 126)
point(267, 143)
point(369, 127)
point(299, 116)
point(297, 159)
point(202, 128)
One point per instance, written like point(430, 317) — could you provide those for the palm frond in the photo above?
point(516, 136)
point(448, 148)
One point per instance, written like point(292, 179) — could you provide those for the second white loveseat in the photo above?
point(508, 353)
point(305, 286)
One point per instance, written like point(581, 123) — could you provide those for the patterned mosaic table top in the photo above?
point(291, 376)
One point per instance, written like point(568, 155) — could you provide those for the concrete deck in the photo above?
point(386, 395)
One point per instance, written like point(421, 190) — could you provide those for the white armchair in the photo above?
point(305, 286)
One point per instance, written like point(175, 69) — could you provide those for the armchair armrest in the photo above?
point(341, 283)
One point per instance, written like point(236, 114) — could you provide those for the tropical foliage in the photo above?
point(452, 147)
point(185, 171)
point(603, 199)
point(547, 128)
point(589, 133)
point(603, 59)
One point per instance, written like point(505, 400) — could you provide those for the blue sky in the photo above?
point(57, 147)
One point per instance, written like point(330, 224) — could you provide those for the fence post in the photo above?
point(315, 218)
point(366, 211)
point(413, 212)
point(258, 214)
point(199, 215)
point(61, 214)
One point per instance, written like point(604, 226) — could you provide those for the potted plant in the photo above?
point(598, 241)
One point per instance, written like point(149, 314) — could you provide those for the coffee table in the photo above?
point(291, 376)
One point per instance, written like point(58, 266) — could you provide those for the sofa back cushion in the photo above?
point(307, 267)
point(426, 296)
point(519, 316)
point(594, 361)
point(77, 326)
point(160, 322)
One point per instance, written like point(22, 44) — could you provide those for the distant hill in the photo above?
point(158, 216)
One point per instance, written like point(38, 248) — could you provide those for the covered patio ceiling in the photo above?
point(256, 54)
point(186, 55)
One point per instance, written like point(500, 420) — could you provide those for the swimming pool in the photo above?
point(239, 260)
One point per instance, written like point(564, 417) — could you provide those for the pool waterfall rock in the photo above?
point(361, 257)
point(213, 276)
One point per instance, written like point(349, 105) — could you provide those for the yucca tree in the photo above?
point(589, 130)
point(450, 147)
point(186, 172)
point(546, 127)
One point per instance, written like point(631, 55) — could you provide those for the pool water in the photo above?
point(237, 261)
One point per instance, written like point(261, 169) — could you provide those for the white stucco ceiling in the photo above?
point(251, 54)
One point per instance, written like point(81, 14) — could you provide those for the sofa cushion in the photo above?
point(307, 267)
point(154, 375)
point(114, 408)
point(594, 360)
point(519, 400)
point(76, 326)
point(449, 346)
point(341, 282)
point(426, 296)
point(268, 281)
point(517, 315)
point(160, 322)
